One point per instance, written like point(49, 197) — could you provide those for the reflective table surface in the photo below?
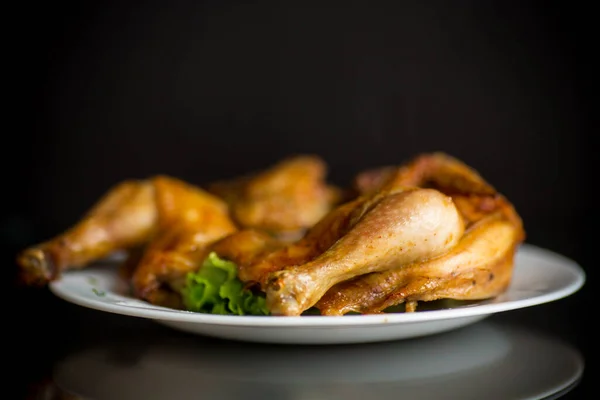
point(80, 353)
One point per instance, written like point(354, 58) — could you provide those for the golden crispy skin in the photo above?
point(189, 220)
point(473, 195)
point(163, 223)
point(428, 229)
point(473, 198)
point(124, 217)
point(480, 266)
point(258, 254)
point(246, 246)
point(438, 170)
point(285, 199)
point(389, 228)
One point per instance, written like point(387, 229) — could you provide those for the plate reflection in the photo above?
point(485, 360)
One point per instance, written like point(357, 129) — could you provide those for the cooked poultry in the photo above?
point(284, 200)
point(164, 222)
point(428, 229)
point(257, 253)
point(124, 217)
point(189, 220)
point(437, 169)
point(473, 196)
point(390, 228)
point(361, 236)
point(479, 267)
point(295, 275)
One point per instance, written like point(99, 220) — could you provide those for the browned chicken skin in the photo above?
point(258, 254)
point(428, 229)
point(353, 240)
point(285, 199)
point(367, 234)
point(388, 229)
point(164, 222)
point(189, 220)
point(437, 169)
point(124, 217)
point(479, 267)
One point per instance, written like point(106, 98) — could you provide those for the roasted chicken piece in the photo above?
point(189, 220)
point(431, 228)
point(124, 217)
point(479, 267)
point(391, 228)
point(284, 200)
point(437, 169)
point(164, 223)
point(472, 194)
point(368, 234)
point(258, 254)
point(359, 245)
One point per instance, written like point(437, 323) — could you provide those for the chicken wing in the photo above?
point(189, 220)
point(124, 217)
point(284, 200)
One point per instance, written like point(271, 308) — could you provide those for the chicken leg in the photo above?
point(258, 254)
point(395, 227)
point(477, 268)
point(124, 217)
point(480, 266)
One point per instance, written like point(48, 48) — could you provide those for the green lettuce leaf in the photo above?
point(215, 289)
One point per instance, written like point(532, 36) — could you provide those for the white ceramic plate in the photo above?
point(540, 276)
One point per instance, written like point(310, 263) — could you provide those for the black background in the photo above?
point(205, 90)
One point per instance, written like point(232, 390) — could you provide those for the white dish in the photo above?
point(540, 276)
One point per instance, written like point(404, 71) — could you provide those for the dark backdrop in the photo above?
point(205, 90)
point(210, 89)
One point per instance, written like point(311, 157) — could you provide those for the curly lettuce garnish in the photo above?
point(215, 289)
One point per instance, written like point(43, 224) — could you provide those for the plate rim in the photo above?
point(167, 314)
